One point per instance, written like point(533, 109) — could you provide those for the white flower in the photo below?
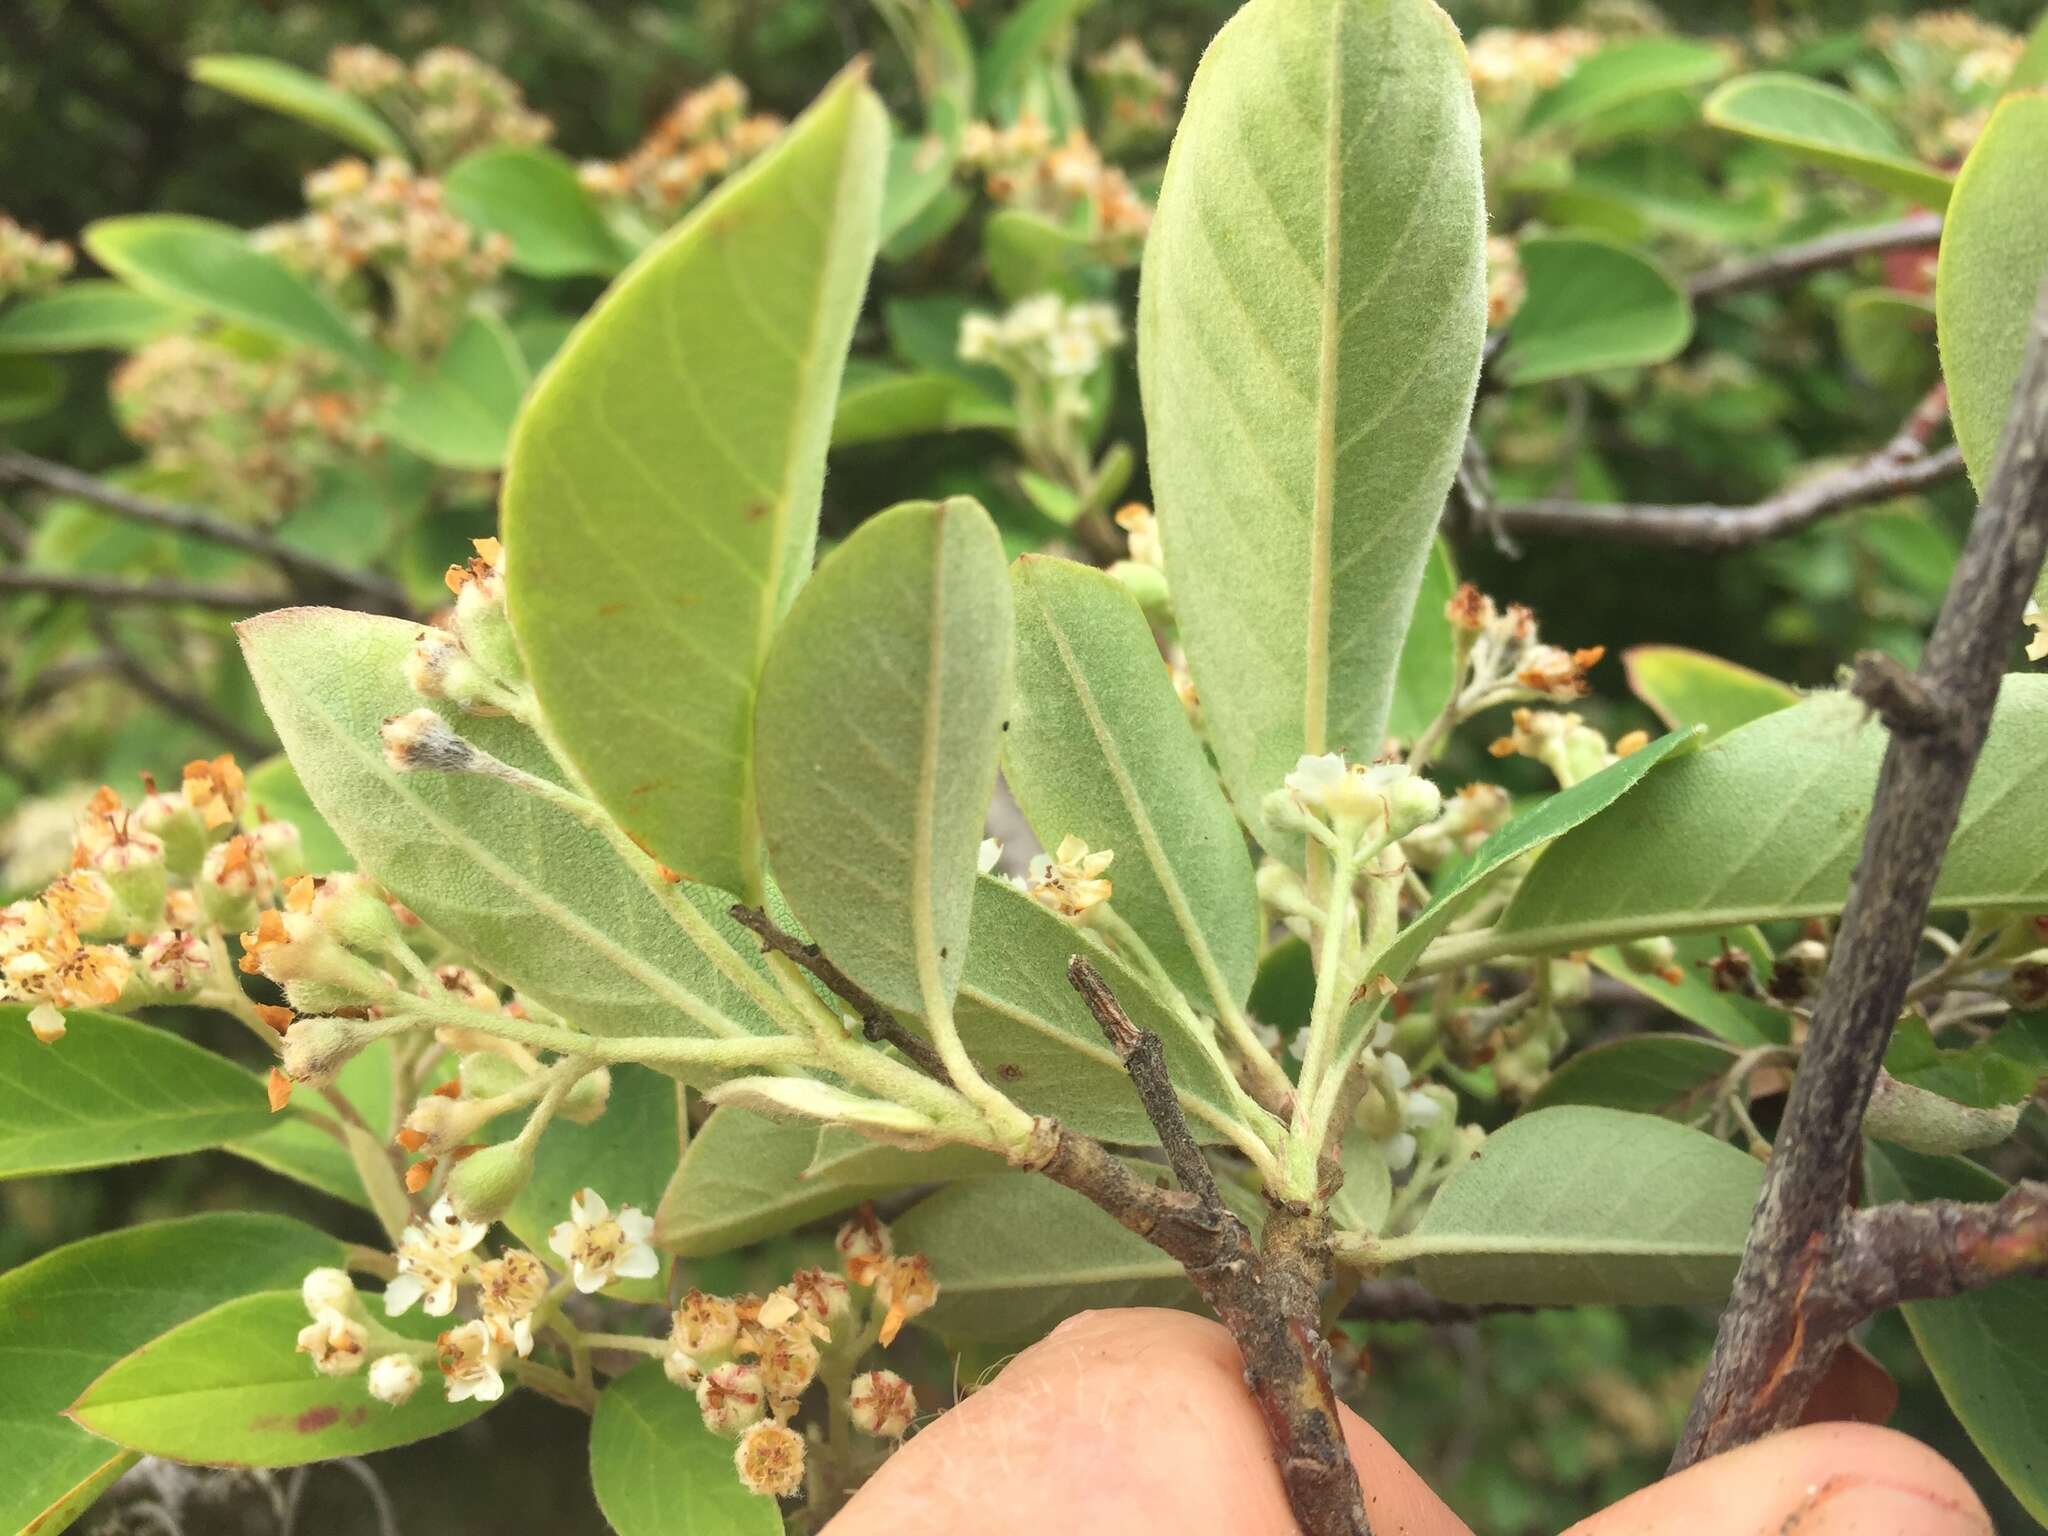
point(394, 1378)
point(469, 1359)
point(1070, 880)
point(335, 1342)
point(602, 1248)
point(433, 1260)
point(1398, 1150)
point(1033, 320)
point(508, 1289)
point(988, 855)
point(1071, 354)
point(1314, 777)
point(328, 1290)
point(981, 338)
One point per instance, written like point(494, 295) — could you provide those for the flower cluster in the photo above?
point(1507, 63)
point(1135, 95)
point(28, 263)
point(704, 137)
point(388, 230)
point(449, 102)
point(1356, 802)
point(1394, 1113)
point(249, 432)
point(1948, 68)
point(1069, 183)
point(471, 660)
point(1562, 742)
point(1044, 337)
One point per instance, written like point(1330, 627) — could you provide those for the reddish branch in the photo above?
point(1807, 1251)
point(1793, 261)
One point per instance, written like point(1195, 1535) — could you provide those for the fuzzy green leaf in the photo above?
point(1671, 1075)
point(213, 267)
point(1426, 675)
point(1985, 1348)
point(1688, 687)
point(230, 1388)
point(539, 899)
point(661, 501)
point(1766, 823)
point(876, 734)
point(532, 197)
point(657, 1471)
point(285, 88)
point(1098, 746)
point(459, 412)
point(1622, 73)
point(70, 1314)
point(1310, 321)
point(1824, 124)
point(1994, 255)
point(1581, 1205)
point(85, 316)
point(114, 1091)
point(295, 1146)
point(1592, 304)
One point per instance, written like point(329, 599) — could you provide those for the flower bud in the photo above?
point(329, 1290)
point(881, 1403)
point(394, 1379)
point(484, 1184)
point(1656, 956)
point(682, 1370)
point(1146, 583)
point(731, 1397)
point(438, 1124)
point(318, 1047)
point(770, 1458)
point(283, 849)
point(584, 1102)
point(235, 882)
point(176, 963)
point(170, 819)
point(1571, 981)
point(487, 633)
point(1412, 802)
point(421, 742)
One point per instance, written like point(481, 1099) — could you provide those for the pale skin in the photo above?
point(1138, 1420)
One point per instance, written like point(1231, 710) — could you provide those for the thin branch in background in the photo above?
point(1794, 261)
point(131, 669)
point(877, 1022)
point(113, 590)
point(1775, 1338)
point(311, 576)
point(1901, 467)
point(1401, 1300)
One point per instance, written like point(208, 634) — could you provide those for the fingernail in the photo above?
point(1875, 1509)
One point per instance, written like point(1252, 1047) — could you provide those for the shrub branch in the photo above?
point(1806, 1247)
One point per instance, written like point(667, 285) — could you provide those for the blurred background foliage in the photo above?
point(1525, 1422)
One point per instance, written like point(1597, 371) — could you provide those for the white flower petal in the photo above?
point(401, 1293)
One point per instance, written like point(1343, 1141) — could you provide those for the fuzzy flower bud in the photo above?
point(175, 962)
point(394, 1379)
point(421, 742)
point(317, 1048)
point(881, 1403)
point(731, 1397)
point(235, 881)
point(329, 1290)
point(484, 1184)
point(173, 823)
point(586, 1101)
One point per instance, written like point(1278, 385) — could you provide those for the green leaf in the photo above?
point(1098, 746)
point(229, 1388)
point(1982, 1075)
point(1581, 1205)
point(1728, 1016)
point(878, 405)
point(1622, 73)
point(626, 1155)
point(539, 899)
point(1671, 1075)
point(1035, 31)
point(532, 197)
point(275, 791)
point(459, 412)
point(1888, 337)
point(1362, 1202)
point(2031, 72)
point(296, 93)
point(1309, 338)
point(84, 316)
point(68, 1315)
point(1985, 1348)
point(114, 1091)
point(1030, 1031)
point(1824, 124)
point(1592, 304)
point(1686, 687)
point(1766, 823)
point(29, 387)
point(1427, 673)
point(1027, 253)
point(661, 502)
point(213, 267)
point(942, 55)
point(746, 1177)
point(1016, 1254)
point(1994, 251)
point(657, 1471)
point(877, 730)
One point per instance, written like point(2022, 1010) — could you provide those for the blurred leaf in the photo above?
point(1986, 1348)
point(942, 56)
point(284, 88)
point(897, 655)
point(536, 897)
point(1994, 254)
point(85, 316)
point(1098, 746)
point(1034, 31)
point(1670, 1075)
point(1888, 337)
point(114, 1091)
point(29, 387)
point(1591, 305)
point(658, 1471)
point(1016, 1254)
point(229, 1387)
point(1579, 1205)
point(458, 413)
point(661, 500)
point(1824, 124)
point(213, 267)
point(1028, 253)
point(70, 1314)
point(1766, 823)
point(1308, 379)
point(1621, 73)
point(1685, 687)
point(532, 197)
point(1982, 1075)
point(878, 405)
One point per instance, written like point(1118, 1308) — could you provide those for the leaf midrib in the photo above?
point(1316, 694)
